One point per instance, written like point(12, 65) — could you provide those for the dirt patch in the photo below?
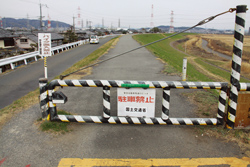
point(207, 103)
point(241, 137)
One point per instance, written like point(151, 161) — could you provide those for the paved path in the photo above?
point(23, 144)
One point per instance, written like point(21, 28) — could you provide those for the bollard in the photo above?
point(184, 69)
point(236, 64)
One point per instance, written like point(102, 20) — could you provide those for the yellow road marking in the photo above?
point(182, 162)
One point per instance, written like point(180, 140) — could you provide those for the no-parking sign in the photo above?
point(136, 102)
point(44, 44)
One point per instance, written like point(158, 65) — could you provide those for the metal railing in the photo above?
point(11, 60)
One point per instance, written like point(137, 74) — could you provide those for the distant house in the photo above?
point(81, 35)
point(6, 39)
point(26, 41)
point(56, 39)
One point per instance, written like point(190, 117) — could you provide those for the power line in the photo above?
point(198, 24)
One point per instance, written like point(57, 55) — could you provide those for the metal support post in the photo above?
point(44, 97)
point(165, 103)
point(45, 67)
point(12, 66)
point(106, 102)
point(236, 64)
point(222, 106)
point(25, 62)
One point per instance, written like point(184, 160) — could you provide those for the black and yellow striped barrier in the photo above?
point(49, 108)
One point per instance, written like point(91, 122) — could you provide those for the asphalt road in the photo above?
point(22, 143)
point(19, 82)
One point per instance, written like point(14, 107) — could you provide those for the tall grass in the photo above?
point(224, 74)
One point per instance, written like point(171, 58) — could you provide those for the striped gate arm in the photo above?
point(163, 120)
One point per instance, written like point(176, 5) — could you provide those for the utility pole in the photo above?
point(102, 22)
point(57, 26)
point(1, 22)
point(74, 24)
point(119, 25)
point(28, 25)
point(89, 23)
point(41, 16)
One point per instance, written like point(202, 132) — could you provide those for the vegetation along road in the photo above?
point(23, 142)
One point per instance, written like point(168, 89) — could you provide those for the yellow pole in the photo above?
point(45, 67)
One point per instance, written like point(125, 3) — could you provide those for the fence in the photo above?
point(49, 98)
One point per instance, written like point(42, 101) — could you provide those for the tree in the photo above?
point(155, 30)
point(70, 36)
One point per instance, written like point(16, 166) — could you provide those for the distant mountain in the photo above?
point(23, 23)
point(165, 28)
point(195, 30)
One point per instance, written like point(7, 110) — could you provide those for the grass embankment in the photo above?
point(173, 58)
point(32, 98)
point(198, 70)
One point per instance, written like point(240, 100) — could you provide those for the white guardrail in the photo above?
point(24, 57)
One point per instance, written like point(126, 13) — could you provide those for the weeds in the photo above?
point(58, 127)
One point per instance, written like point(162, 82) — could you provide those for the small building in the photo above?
point(26, 41)
point(6, 39)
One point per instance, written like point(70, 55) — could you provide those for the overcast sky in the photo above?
point(132, 13)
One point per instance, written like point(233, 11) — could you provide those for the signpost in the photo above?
point(44, 47)
point(136, 102)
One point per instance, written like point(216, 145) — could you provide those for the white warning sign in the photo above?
point(44, 44)
point(136, 102)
